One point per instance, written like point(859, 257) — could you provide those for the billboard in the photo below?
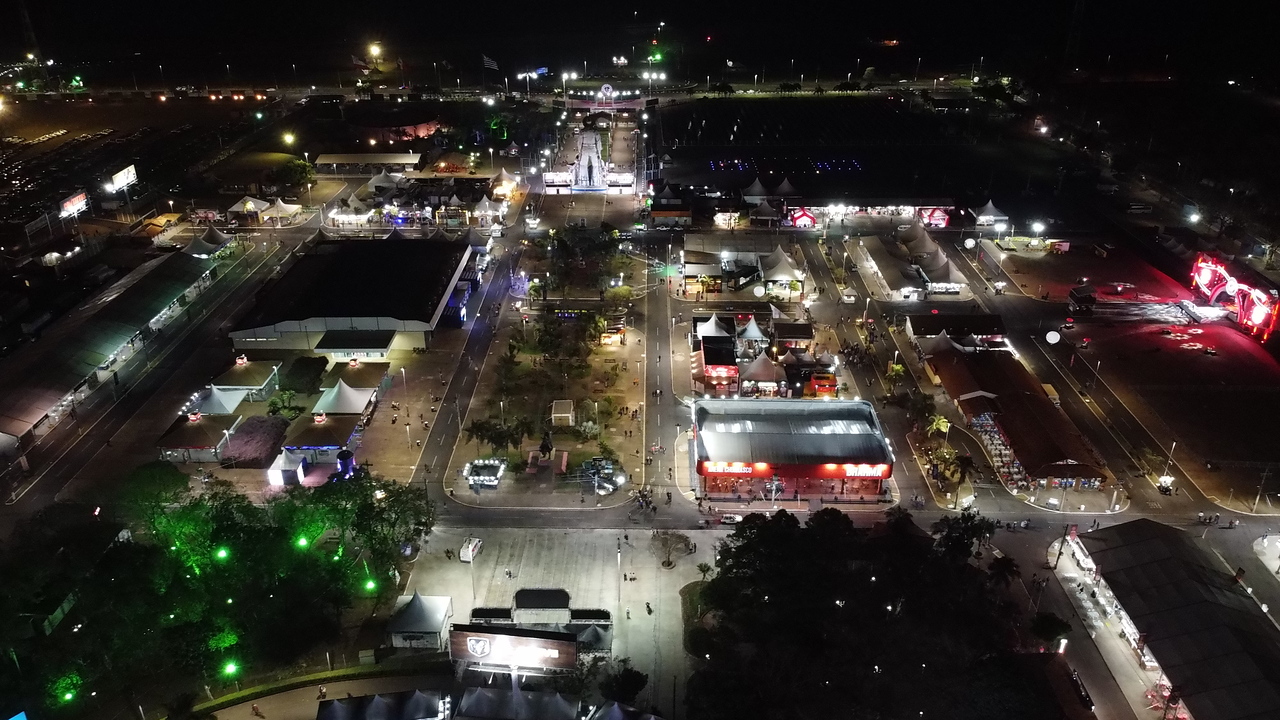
point(124, 178)
point(513, 648)
point(73, 205)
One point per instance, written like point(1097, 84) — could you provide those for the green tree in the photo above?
point(1049, 627)
point(894, 374)
point(704, 569)
point(183, 707)
point(958, 533)
point(938, 425)
point(622, 683)
point(1003, 571)
point(295, 173)
point(617, 297)
point(667, 542)
point(921, 406)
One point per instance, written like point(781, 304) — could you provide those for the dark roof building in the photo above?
point(1181, 604)
point(790, 438)
point(44, 379)
point(981, 325)
point(367, 290)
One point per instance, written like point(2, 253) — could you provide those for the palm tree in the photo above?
point(1003, 571)
point(894, 376)
point(937, 424)
point(964, 466)
point(479, 431)
point(705, 569)
point(897, 516)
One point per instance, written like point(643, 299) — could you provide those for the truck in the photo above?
point(1052, 392)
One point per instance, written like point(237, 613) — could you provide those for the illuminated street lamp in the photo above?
point(1037, 227)
point(1000, 227)
point(288, 138)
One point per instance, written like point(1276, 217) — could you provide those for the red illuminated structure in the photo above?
point(1255, 309)
point(797, 447)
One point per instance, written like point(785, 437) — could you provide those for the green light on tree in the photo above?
point(230, 669)
point(370, 585)
point(222, 553)
point(66, 687)
point(302, 542)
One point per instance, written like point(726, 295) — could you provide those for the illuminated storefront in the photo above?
point(789, 449)
point(1254, 309)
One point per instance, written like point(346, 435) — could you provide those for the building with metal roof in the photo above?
point(1179, 605)
point(392, 293)
point(791, 439)
point(44, 380)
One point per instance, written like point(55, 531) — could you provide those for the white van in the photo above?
point(1052, 392)
point(470, 549)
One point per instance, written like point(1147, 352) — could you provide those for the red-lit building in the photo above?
point(1254, 308)
point(810, 447)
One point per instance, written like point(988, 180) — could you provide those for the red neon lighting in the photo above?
point(1256, 309)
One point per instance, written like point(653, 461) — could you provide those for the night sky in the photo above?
point(259, 38)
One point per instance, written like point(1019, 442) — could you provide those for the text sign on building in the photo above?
point(124, 178)
point(472, 644)
point(74, 205)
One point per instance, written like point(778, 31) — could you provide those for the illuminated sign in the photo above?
point(514, 648)
point(1255, 309)
point(74, 205)
point(865, 470)
point(933, 216)
point(733, 468)
point(124, 178)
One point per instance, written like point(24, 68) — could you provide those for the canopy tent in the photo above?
point(355, 204)
point(395, 234)
point(248, 204)
point(667, 194)
point(777, 314)
point(762, 369)
point(989, 214)
point(751, 331)
point(320, 235)
point(379, 181)
point(486, 207)
point(287, 468)
point(777, 266)
point(280, 209)
point(503, 177)
point(471, 237)
point(342, 399)
point(711, 328)
point(785, 189)
point(939, 343)
point(480, 702)
point(420, 614)
point(209, 242)
point(454, 201)
point(755, 192)
point(918, 242)
point(616, 711)
point(787, 358)
point(222, 402)
point(513, 149)
point(436, 234)
point(827, 359)
point(938, 268)
point(763, 211)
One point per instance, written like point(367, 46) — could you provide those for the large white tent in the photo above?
point(785, 189)
point(777, 266)
point(210, 241)
point(248, 204)
point(342, 399)
point(280, 209)
point(711, 328)
point(287, 467)
point(762, 369)
point(222, 402)
point(763, 211)
point(755, 192)
point(503, 177)
point(486, 207)
point(989, 214)
point(752, 331)
point(380, 181)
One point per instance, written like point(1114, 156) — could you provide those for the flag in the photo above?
point(489, 64)
point(358, 62)
point(400, 63)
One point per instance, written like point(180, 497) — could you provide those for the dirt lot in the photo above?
point(1120, 275)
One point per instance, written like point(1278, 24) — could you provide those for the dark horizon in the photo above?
point(1005, 36)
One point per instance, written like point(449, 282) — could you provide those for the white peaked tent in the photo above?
point(248, 204)
point(827, 359)
point(764, 211)
point(762, 369)
point(454, 201)
point(280, 209)
point(355, 204)
point(486, 207)
point(755, 192)
point(939, 343)
point(787, 358)
point(777, 266)
point(471, 237)
point(379, 181)
point(395, 234)
point(777, 314)
point(222, 402)
point(287, 467)
point(711, 328)
point(989, 214)
point(209, 242)
point(785, 189)
point(503, 177)
point(342, 399)
point(437, 234)
point(752, 331)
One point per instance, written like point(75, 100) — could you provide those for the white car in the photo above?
point(730, 519)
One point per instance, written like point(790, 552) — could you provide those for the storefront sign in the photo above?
point(828, 471)
point(483, 644)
